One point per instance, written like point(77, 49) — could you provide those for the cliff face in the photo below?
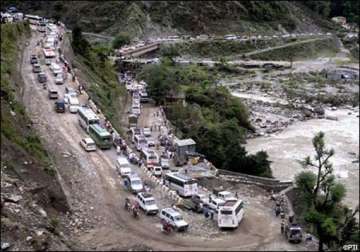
point(33, 204)
point(148, 18)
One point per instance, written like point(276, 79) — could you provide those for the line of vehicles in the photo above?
point(183, 185)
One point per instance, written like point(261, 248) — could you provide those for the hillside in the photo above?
point(147, 18)
point(33, 204)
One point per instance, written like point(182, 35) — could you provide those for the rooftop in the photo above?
point(184, 142)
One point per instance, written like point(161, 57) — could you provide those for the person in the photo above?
point(118, 150)
point(282, 227)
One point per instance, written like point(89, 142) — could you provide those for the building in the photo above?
point(182, 148)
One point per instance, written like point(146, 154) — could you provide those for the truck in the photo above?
point(195, 203)
point(293, 232)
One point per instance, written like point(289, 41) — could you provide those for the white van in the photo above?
point(73, 104)
point(174, 218)
point(122, 166)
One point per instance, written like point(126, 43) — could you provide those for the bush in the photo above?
point(120, 40)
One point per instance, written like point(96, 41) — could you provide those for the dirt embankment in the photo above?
point(33, 204)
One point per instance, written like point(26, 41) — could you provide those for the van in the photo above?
point(73, 104)
point(55, 68)
point(140, 142)
point(133, 183)
point(88, 144)
point(122, 166)
point(42, 77)
point(157, 170)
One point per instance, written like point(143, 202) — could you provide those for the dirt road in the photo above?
point(96, 195)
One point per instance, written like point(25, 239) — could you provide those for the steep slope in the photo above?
point(33, 204)
point(150, 18)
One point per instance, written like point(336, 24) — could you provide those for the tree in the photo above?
point(120, 40)
point(323, 197)
point(79, 43)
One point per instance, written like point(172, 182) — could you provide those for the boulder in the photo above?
point(319, 110)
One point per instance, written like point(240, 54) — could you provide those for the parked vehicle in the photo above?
point(147, 132)
point(122, 166)
point(225, 195)
point(230, 214)
point(87, 117)
point(150, 157)
point(140, 142)
point(55, 68)
point(134, 132)
point(88, 144)
point(164, 162)
point(53, 94)
point(42, 78)
point(174, 218)
point(48, 62)
point(147, 203)
point(196, 202)
point(68, 95)
point(156, 170)
point(150, 142)
point(133, 183)
point(59, 80)
point(293, 232)
point(34, 59)
point(60, 106)
point(74, 104)
point(36, 68)
point(101, 136)
point(182, 184)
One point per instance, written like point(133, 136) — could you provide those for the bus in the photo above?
point(182, 184)
point(150, 157)
point(34, 20)
point(87, 117)
point(101, 136)
point(230, 214)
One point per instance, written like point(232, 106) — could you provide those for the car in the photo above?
point(59, 80)
point(150, 141)
point(174, 218)
point(164, 163)
point(53, 94)
point(123, 166)
point(147, 203)
point(48, 62)
point(42, 78)
point(74, 104)
point(147, 132)
point(133, 183)
point(60, 106)
point(36, 68)
point(55, 68)
point(34, 59)
point(88, 144)
point(68, 95)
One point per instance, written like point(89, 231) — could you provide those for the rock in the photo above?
point(29, 238)
point(42, 212)
point(91, 208)
point(349, 113)
point(334, 118)
point(5, 245)
point(13, 198)
point(39, 232)
point(319, 110)
point(12, 113)
point(307, 113)
point(333, 108)
point(25, 162)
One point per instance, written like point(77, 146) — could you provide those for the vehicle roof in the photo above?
point(122, 160)
point(88, 140)
point(100, 130)
point(171, 211)
point(232, 203)
point(180, 175)
point(185, 142)
point(146, 195)
point(89, 113)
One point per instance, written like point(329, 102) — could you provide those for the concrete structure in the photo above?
point(138, 51)
point(182, 148)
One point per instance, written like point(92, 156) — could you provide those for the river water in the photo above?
point(295, 143)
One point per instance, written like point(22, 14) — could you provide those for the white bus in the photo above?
point(87, 117)
point(230, 214)
point(150, 156)
point(182, 184)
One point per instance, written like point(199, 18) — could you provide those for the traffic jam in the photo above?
point(152, 150)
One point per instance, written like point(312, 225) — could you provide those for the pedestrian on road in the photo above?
point(282, 227)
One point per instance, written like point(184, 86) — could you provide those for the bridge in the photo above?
point(138, 51)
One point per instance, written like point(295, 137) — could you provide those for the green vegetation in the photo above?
point(311, 49)
point(334, 224)
point(101, 77)
point(13, 126)
point(120, 40)
point(215, 119)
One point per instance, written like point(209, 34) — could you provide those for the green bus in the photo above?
point(101, 136)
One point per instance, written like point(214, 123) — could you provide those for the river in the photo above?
point(294, 143)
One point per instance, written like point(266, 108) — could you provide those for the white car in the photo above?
point(74, 104)
point(165, 163)
point(59, 80)
point(123, 166)
point(147, 203)
point(174, 218)
point(147, 132)
point(88, 144)
point(48, 62)
point(156, 170)
point(68, 95)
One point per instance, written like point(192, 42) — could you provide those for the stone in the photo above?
point(14, 198)
point(29, 238)
point(5, 245)
point(319, 110)
point(334, 118)
point(39, 232)
point(42, 212)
